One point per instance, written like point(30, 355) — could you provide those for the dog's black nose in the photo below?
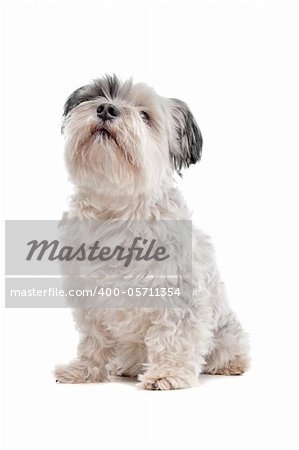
point(107, 111)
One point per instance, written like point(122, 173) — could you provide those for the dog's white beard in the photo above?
point(129, 167)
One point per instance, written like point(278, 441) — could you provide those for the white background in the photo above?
point(236, 64)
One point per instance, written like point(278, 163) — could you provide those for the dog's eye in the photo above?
point(145, 117)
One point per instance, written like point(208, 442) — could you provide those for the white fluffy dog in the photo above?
point(124, 144)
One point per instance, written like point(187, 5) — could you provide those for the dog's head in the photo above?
point(124, 137)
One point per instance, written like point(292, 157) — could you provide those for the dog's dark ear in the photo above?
point(186, 144)
point(74, 100)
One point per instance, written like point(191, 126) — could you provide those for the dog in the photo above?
point(124, 144)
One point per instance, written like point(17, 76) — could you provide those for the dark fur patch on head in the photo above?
point(106, 87)
point(75, 99)
point(113, 85)
point(188, 136)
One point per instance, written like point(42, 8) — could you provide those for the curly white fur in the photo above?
point(129, 177)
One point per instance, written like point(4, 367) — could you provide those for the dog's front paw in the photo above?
point(165, 383)
point(79, 372)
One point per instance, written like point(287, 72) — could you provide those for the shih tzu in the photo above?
point(123, 146)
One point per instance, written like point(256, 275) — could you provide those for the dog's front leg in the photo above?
point(90, 366)
point(174, 352)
